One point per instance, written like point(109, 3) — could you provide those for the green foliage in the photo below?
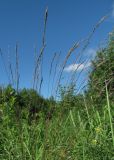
point(72, 128)
point(102, 74)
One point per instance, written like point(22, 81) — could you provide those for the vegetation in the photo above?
point(103, 73)
point(74, 127)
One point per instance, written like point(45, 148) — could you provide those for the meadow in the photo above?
point(75, 126)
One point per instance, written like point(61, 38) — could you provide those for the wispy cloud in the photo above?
point(88, 56)
point(77, 67)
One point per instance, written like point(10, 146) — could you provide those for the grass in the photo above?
point(85, 133)
point(65, 136)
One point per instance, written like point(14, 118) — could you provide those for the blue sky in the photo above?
point(21, 21)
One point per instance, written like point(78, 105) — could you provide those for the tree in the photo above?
point(102, 74)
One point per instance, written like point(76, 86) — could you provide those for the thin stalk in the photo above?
point(109, 112)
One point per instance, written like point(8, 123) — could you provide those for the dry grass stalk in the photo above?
point(51, 67)
point(75, 46)
point(40, 85)
point(10, 68)
point(55, 71)
point(79, 56)
point(39, 60)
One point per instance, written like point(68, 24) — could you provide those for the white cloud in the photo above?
point(77, 67)
point(87, 56)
